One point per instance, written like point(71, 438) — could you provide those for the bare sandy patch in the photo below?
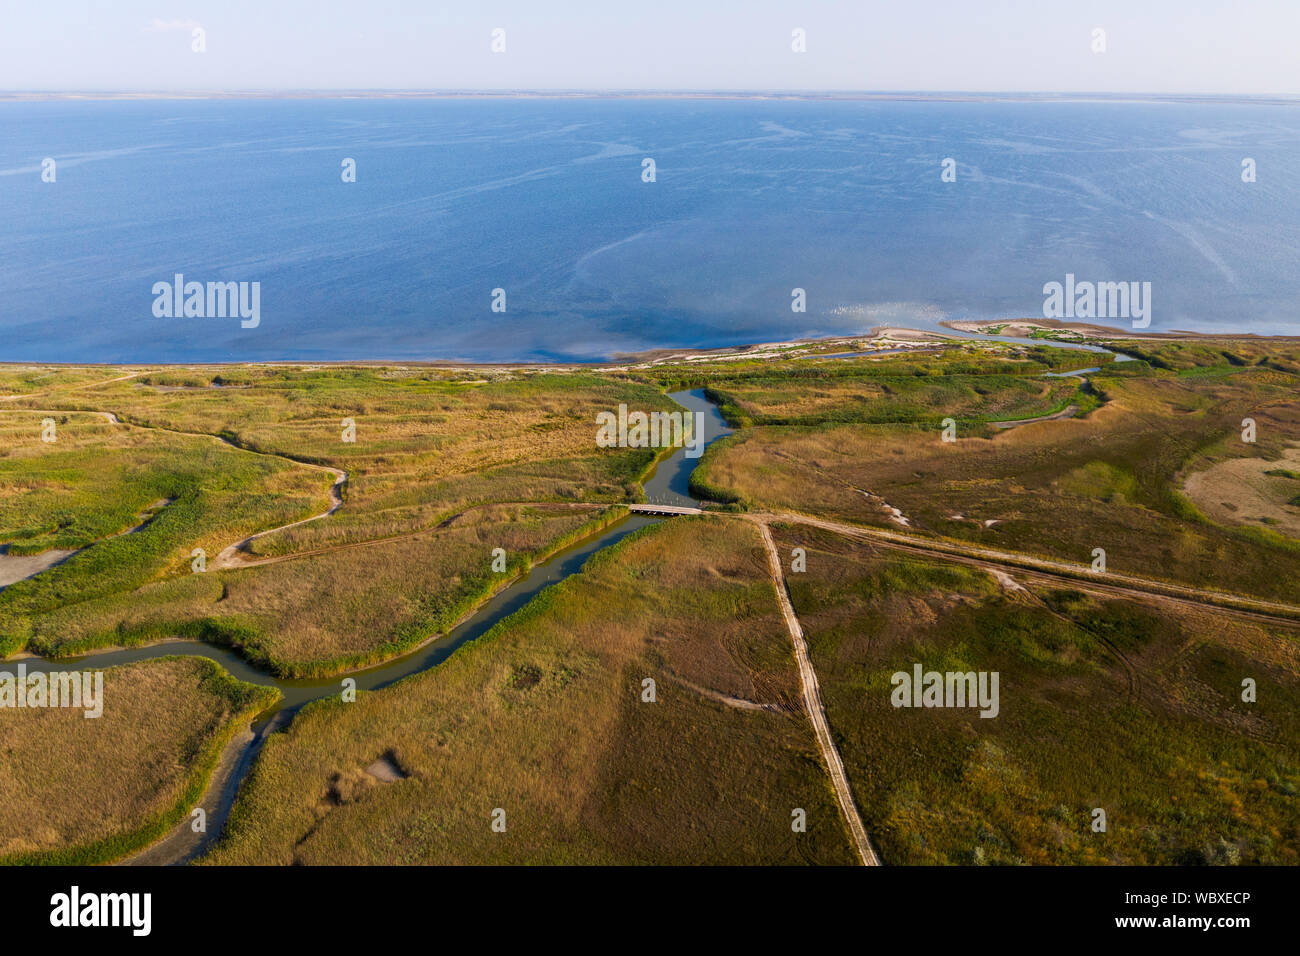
point(1007, 581)
point(18, 567)
point(1240, 491)
point(386, 769)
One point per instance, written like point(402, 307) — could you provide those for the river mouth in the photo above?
point(669, 481)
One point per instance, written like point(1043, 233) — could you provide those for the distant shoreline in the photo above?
point(1095, 330)
point(895, 339)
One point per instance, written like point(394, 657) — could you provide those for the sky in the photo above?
point(1156, 46)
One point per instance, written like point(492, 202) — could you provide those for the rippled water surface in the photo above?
point(545, 199)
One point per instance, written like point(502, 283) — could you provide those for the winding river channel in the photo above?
point(669, 483)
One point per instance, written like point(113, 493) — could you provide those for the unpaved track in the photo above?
point(229, 556)
point(812, 700)
point(1110, 581)
point(68, 388)
point(1068, 412)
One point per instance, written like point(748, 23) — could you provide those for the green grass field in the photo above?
point(1112, 479)
point(543, 718)
point(443, 469)
point(1186, 772)
point(1130, 704)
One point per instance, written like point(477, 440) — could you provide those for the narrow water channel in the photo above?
point(669, 483)
point(295, 693)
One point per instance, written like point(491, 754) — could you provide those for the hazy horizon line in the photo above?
point(577, 92)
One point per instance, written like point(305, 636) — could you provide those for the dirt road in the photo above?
point(230, 556)
point(812, 700)
point(1109, 581)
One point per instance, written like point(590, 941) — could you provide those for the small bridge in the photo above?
point(666, 510)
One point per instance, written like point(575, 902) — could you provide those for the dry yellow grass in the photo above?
point(67, 781)
point(434, 453)
point(426, 441)
point(1057, 489)
point(542, 717)
point(321, 613)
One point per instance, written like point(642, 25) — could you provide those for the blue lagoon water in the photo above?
point(544, 198)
